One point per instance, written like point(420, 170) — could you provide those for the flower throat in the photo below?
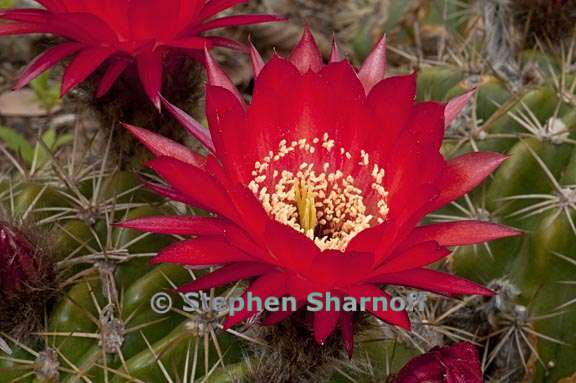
point(325, 192)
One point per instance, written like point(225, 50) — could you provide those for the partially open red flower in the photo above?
point(17, 264)
point(120, 32)
point(318, 186)
point(458, 363)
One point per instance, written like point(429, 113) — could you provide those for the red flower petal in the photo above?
point(23, 28)
point(227, 120)
point(279, 316)
point(201, 252)
point(335, 53)
point(306, 56)
point(455, 106)
point(396, 318)
point(217, 77)
point(384, 238)
point(392, 101)
point(113, 71)
point(332, 268)
point(150, 71)
point(235, 20)
point(45, 61)
point(82, 66)
point(52, 5)
point(178, 225)
point(256, 60)
point(153, 18)
point(405, 169)
point(194, 127)
point(270, 120)
point(374, 68)
point(434, 281)
point(324, 324)
point(172, 194)
point(460, 233)
point(464, 173)
point(346, 112)
point(197, 43)
point(195, 183)
point(227, 274)
point(347, 331)
point(219, 41)
point(269, 285)
point(25, 15)
point(162, 146)
point(291, 248)
point(422, 254)
point(216, 6)
point(458, 363)
point(253, 216)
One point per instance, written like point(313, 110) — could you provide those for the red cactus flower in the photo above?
point(317, 186)
point(458, 363)
point(17, 264)
point(119, 32)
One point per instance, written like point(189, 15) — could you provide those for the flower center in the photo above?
point(325, 192)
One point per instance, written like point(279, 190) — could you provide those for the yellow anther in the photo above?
point(306, 207)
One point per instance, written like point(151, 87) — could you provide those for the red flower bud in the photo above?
point(458, 363)
point(17, 263)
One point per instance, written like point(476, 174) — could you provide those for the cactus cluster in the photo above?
point(80, 301)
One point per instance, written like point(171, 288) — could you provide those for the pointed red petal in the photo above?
point(347, 331)
point(168, 192)
point(201, 252)
point(217, 77)
point(253, 216)
point(464, 173)
point(219, 41)
point(306, 56)
point(256, 60)
point(392, 101)
point(24, 28)
point(196, 43)
point(82, 66)
point(52, 5)
point(225, 275)
point(335, 53)
point(25, 15)
point(460, 233)
point(152, 19)
point(374, 68)
point(413, 166)
point(269, 285)
point(419, 255)
point(216, 6)
point(195, 183)
point(227, 121)
point(112, 73)
point(292, 249)
point(178, 225)
point(276, 317)
point(456, 105)
point(150, 71)
point(162, 146)
point(45, 61)
point(235, 20)
point(434, 281)
point(397, 318)
point(324, 324)
point(194, 127)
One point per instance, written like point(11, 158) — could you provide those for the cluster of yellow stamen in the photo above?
point(318, 200)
